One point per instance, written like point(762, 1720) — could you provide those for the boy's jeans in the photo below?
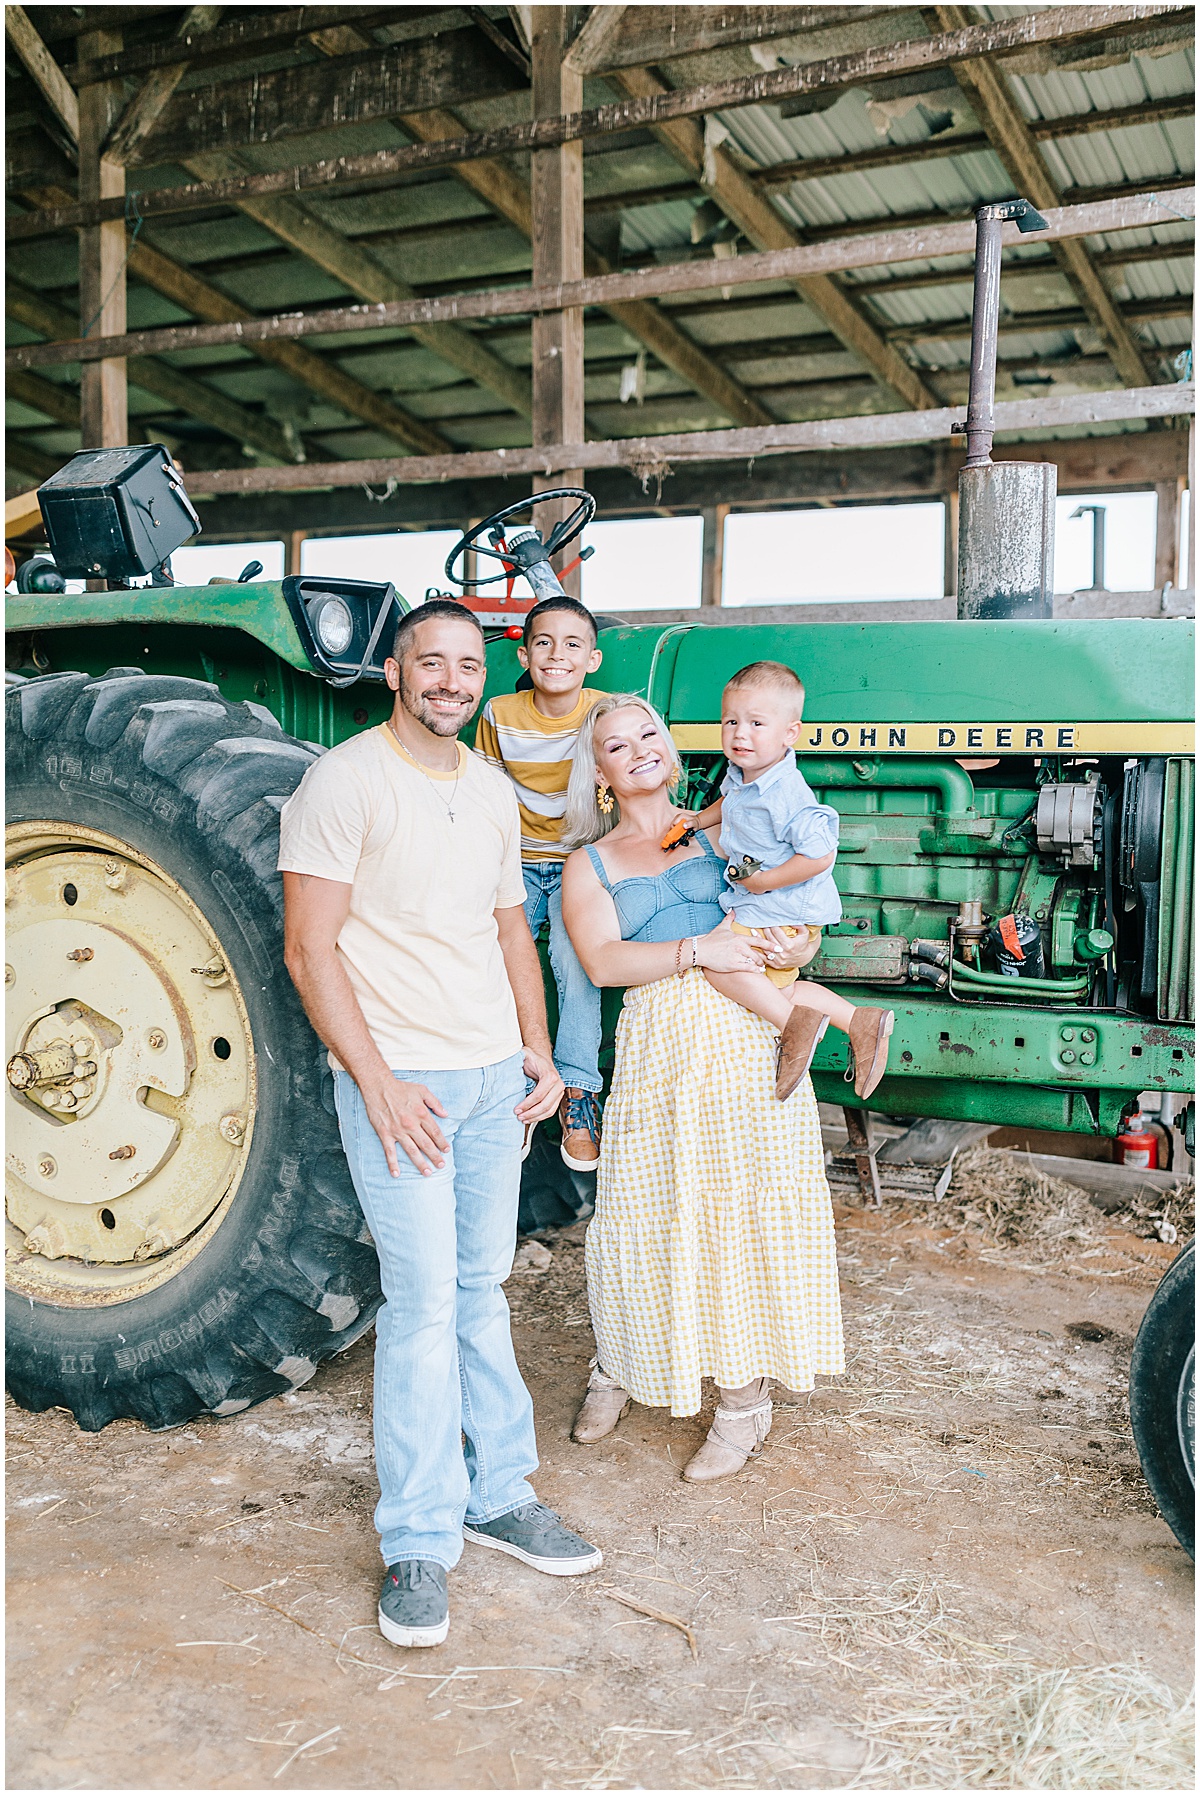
point(444, 1362)
point(577, 1044)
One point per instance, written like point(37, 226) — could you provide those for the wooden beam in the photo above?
point(58, 402)
point(1131, 460)
point(1026, 269)
point(1166, 532)
point(998, 113)
point(597, 38)
point(103, 396)
point(508, 195)
point(354, 90)
point(183, 391)
point(1136, 212)
point(967, 143)
point(312, 371)
point(1051, 25)
point(720, 177)
point(1137, 311)
point(712, 559)
point(358, 269)
point(652, 456)
point(44, 72)
point(556, 193)
point(22, 513)
point(31, 461)
point(653, 34)
point(245, 34)
point(154, 95)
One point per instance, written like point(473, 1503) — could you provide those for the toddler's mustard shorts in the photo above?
point(781, 976)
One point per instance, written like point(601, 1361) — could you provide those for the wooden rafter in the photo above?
point(1135, 212)
point(374, 84)
point(1050, 26)
point(154, 95)
point(44, 72)
point(508, 195)
point(182, 391)
point(365, 275)
point(640, 453)
point(1014, 143)
point(721, 178)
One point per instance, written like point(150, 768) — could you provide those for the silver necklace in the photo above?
point(429, 780)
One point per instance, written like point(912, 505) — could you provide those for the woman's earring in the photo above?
point(604, 799)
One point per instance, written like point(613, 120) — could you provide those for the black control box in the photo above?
point(115, 514)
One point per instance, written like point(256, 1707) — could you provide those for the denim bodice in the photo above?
point(684, 900)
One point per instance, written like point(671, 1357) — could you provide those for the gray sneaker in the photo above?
point(536, 1536)
point(413, 1605)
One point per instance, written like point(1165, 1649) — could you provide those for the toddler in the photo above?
point(781, 845)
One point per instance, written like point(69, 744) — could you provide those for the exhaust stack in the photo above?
point(1006, 509)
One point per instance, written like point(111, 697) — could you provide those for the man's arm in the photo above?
point(524, 971)
point(314, 912)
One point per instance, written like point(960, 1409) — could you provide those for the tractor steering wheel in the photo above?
point(565, 531)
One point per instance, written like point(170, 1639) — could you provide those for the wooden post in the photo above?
point(1166, 534)
point(713, 564)
point(557, 205)
point(293, 549)
point(104, 413)
point(950, 552)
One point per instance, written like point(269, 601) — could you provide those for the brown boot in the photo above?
point(740, 1425)
point(603, 1407)
point(797, 1044)
point(579, 1115)
point(869, 1032)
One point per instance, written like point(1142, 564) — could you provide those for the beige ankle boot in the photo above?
point(740, 1425)
point(602, 1407)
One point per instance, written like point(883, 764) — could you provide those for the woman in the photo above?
point(711, 1253)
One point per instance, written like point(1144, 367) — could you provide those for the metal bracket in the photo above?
point(858, 1129)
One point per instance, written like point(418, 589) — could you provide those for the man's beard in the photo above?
point(417, 705)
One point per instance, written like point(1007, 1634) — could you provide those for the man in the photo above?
point(406, 937)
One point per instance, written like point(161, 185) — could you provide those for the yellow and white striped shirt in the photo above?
point(536, 752)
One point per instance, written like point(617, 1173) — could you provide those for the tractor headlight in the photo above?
point(333, 625)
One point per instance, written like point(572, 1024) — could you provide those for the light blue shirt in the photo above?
point(771, 818)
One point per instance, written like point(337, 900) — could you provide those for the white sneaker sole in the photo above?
point(412, 1636)
point(553, 1567)
point(579, 1165)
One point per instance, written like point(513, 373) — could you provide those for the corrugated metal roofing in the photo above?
point(433, 232)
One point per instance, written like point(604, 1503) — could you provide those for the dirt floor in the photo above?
point(953, 1534)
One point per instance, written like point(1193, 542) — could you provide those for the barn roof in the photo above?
point(267, 88)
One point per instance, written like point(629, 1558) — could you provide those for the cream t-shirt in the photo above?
point(420, 945)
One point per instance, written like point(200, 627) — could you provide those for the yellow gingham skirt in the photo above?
point(711, 1252)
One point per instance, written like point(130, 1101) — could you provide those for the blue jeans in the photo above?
point(577, 1043)
point(444, 1361)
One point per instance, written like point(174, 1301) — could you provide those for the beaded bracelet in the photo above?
point(679, 969)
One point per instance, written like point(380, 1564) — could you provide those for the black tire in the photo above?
point(290, 1276)
point(1162, 1402)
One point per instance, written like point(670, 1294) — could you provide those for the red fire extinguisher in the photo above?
point(1136, 1146)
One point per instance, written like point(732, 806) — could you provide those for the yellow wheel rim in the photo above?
point(130, 1084)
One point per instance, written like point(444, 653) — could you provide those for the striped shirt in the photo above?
point(536, 752)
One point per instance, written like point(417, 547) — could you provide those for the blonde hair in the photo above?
point(585, 821)
point(772, 676)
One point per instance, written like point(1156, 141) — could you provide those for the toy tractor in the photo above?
point(1016, 854)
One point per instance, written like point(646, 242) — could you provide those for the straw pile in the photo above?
point(1022, 1726)
point(1004, 1196)
point(951, 1711)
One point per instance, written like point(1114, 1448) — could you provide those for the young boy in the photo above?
point(770, 815)
point(531, 737)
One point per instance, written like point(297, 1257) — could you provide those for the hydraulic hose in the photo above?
point(995, 981)
point(952, 783)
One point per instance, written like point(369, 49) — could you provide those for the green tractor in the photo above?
point(1016, 855)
